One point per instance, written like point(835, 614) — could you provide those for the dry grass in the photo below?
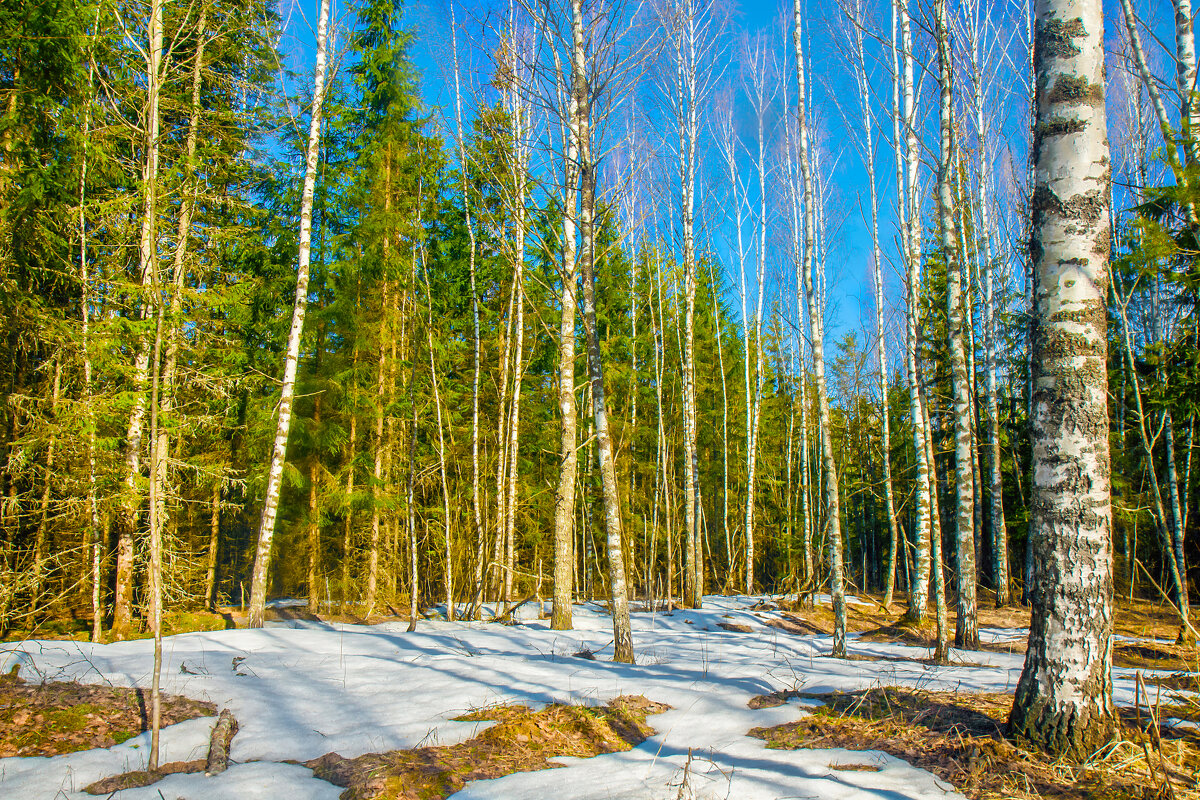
point(959, 738)
point(50, 719)
point(521, 741)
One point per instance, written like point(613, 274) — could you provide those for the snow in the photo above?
point(301, 689)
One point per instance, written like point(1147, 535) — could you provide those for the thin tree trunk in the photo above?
point(147, 255)
point(692, 566)
point(564, 504)
point(908, 202)
point(39, 544)
point(266, 530)
point(816, 327)
point(941, 650)
point(95, 540)
point(476, 507)
point(351, 454)
point(618, 593)
point(314, 519)
point(214, 543)
point(966, 631)
point(864, 96)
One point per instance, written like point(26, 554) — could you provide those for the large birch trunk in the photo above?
point(1064, 697)
point(266, 528)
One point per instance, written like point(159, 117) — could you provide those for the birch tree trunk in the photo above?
point(518, 113)
point(568, 453)
point(95, 541)
point(754, 392)
point(688, 133)
point(995, 495)
point(966, 629)
point(147, 255)
point(908, 203)
point(266, 529)
point(618, 591)
point(868, 125)
point(816, 327)
point(476, 507)
point(1063, 700)
point(314, 521)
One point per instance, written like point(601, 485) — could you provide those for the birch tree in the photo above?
point(1063, 700)
point(816, 329)
point(966, 633)
point(590, 78)
point(266, 529)
point(908, 161)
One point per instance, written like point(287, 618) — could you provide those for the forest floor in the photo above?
point(739, 699)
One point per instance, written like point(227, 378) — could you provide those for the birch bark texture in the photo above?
point(816, 328)
point(564, 500)
point(966, 633)
point(1064, 697)
point(588, 168)
point(266, 528)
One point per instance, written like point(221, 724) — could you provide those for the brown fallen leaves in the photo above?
point(959, 738)
point(521, 741)
point(49, 719)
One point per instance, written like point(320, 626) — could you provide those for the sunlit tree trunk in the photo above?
point(816, 327)
point(147, 255)
point(476, 507)
point(966, 632)
point(618, 591)
point(1064, 697)
point(908, 204)
point(568, 453)
point(266, 530)
point(313, 528)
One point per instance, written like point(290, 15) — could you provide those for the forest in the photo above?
point(156, 217)
point(429, 310)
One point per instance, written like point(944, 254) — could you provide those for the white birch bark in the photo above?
point(858, 23)
point(1064, 697)
point(85, 302)
point(995, 482)
point(618, 591)
point(147, 255)
point(564, 502)
point(817, 334)
point(759, 102)
point(476, 508)
point(266, 529)
point(966, 631)
point(908, 202)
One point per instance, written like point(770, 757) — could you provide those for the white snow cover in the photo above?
point(303, 689)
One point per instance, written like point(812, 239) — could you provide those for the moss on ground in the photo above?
point(522, 740)
point(960, 738)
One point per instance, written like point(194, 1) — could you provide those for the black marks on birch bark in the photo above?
point(1056, 39)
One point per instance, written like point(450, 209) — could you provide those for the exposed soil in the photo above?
point(521, 741)
point(960, 739)
point(1153, 622)
point(50, 719)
